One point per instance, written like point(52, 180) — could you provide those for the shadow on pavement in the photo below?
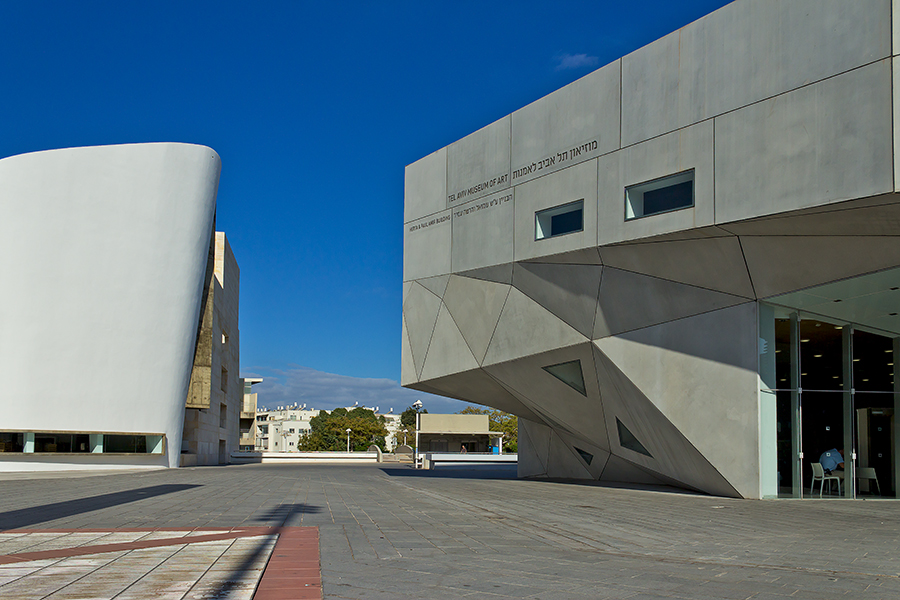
point(18, 519)
point(464, 471)
point(283, 513)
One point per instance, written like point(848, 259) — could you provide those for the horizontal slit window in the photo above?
point(63, 442)
point(660, 195)
point(559, 220)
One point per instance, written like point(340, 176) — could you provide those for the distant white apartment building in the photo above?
point(280, 430)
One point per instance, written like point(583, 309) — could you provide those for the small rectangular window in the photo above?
point(559, 220)
point(660, 195)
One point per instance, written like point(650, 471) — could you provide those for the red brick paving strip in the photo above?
point(293, 571)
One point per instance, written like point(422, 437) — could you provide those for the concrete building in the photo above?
point(684, 267)
point(109, 263)
point(215, 395)
point(452, 433)
point(280, 430)
point(247, 441)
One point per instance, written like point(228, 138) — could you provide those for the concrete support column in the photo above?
point(29, 443)
point(848, 412)
point(97, 443)
point(796, 412)
point(895, 474)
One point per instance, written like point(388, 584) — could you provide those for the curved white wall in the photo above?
point(102, 259)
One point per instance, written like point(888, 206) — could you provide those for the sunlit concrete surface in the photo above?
point(173, 571)
point(610, 261)
point(399, 533)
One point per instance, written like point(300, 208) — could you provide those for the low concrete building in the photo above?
point(457, 433)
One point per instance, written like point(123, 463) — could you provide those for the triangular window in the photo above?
point(587, 456)
point(570, 374)
point(627, 440)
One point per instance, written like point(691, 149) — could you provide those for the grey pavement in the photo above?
point(392, 532)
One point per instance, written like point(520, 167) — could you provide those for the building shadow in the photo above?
point(25, 517)
point(456, 471)
point(284, 515)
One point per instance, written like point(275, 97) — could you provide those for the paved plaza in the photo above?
point(390, 532)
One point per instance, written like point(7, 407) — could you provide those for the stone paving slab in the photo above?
point(388, 531)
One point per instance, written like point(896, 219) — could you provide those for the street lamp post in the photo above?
point(418, 406)
point(348, 439)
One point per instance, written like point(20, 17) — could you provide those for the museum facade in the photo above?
point(683, 268)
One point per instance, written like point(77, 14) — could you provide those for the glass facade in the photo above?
point(827, 366)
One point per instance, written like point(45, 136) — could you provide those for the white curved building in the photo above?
point(103, 260)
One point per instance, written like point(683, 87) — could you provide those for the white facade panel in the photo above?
point(744, 53)
point(103, 259)
point(823, 143)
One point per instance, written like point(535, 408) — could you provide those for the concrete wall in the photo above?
point(782, 111)
point(102, 262)
point(454, 423)
point(788, 101)
point(211, 423)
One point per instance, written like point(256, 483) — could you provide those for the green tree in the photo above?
point(328, 431)
point(500, 421)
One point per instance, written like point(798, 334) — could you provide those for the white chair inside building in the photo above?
point(868, 473)
point(820, 476)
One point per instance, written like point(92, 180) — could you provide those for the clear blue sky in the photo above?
point(315, 109)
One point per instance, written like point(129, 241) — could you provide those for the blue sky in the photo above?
point(315, 109)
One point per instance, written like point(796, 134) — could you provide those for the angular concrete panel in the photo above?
point(448, 351)
point(426, 186)
point(526, 328)
point(568, 291)
point(408, 372)
point(876, 215)
point(620, 470)
point(690, 148)
point(822, 143)
point(497, 273)
point(700, 372)
point(478, 387)
point(781, 264)
point(435, 285)
point(744, 53)
point(587, 256)
point(572, 184)
point(420, 312)
point(714, 263)
point(579, 414)
point(672, 456)
point(475, 306)
point(563, 462)
point(478, 164)
point(426, 247)
point(571, 125)
point(483, 232)
point(630, 301)
point(533, 450)
point(593, 458)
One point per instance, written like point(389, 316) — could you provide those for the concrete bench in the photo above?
point(429, 459)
